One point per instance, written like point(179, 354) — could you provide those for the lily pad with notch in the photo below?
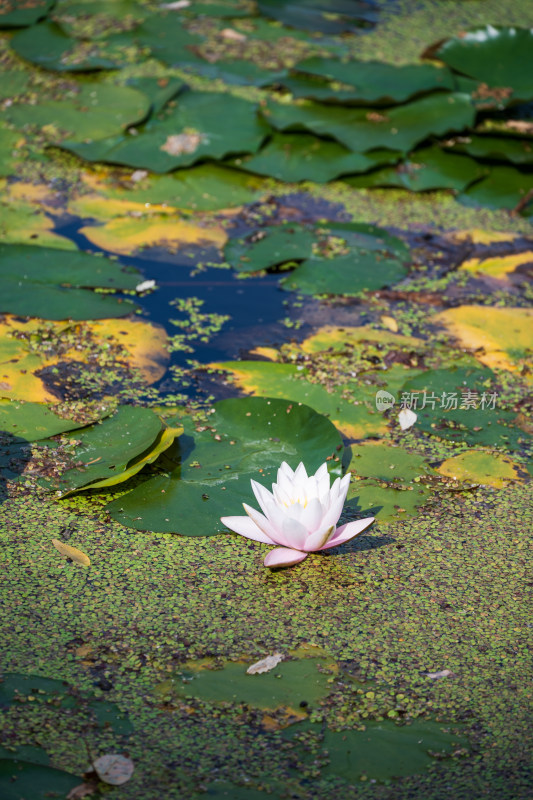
point(397, 128)
point(498, 56)
point(293, 157)
point(32, 421)
point(504, 187)
point(48, 46)
point(57, 284)
point(202, 125)
point(207, 472)
point(388, 502)
point(91, 110)
point(494, 148)
point(426, 169)
point(361, 258)
point(325, 16)
point(270, 247)
point(14, 14)
point(113, 450)
point(371, 82)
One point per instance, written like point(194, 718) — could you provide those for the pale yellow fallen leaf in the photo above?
point(72, 552)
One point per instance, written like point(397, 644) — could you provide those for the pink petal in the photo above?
point(312, 515)
point(246, 527)
point(283, 557)
point(294, 533)
point(317, 539)
point(347, 532)
point(276, 517)
point(262, 495)
point(261, 522)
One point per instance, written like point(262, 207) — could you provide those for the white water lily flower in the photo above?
point(300, 515)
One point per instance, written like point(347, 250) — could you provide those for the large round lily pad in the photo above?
point(203, 125)
point(209, 471)
point(56, 284)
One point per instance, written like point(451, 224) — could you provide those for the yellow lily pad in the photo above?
point(500, 266)
point(105, 208)
point(331, 337)
point(21, 358)
point(479, 466)
point(500, 337)
point(22, 223)
point(126, 235)
point(479, 236)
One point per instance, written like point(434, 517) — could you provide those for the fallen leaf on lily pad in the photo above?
point(114, 769)
point(265, 665)
point(479, 466)
point(72, 552)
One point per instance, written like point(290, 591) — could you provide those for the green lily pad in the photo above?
point(386, 462)
point(89, 110)
point(106, 450)
point(14, 14)
point(426, 169)
point(369, 258)
point(32, 421)
point(98, 19)
point(385, 750)
point(288, 685)
point(203, 188)
point(326, 16)
point(296, 157)
point(14, 83)
point(356, 420)
point(54, 284)
point(494, 148)
point(48, 46)
point(269, 247)
point(238, 72)
point(398, 128)
point(8, 144)
point(21, 779)
point(231, 9)
point(168, 40)
point(203, 125)
point(372, 81)
point(500, 57)
point(504, 187)
point(386, 502)
point(479, 421)
point(209, 477)
point(159, 90)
